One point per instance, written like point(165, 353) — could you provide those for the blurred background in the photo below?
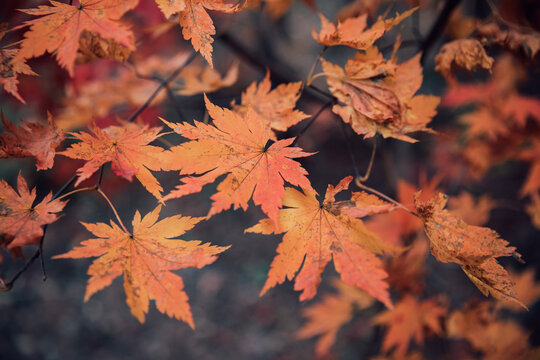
point(48, 320)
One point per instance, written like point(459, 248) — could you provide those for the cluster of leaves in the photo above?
point(376, 244)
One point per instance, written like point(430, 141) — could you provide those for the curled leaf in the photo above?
point(474, 248)
point(466, 54)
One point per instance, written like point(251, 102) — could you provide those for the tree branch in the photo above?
point(438, 27)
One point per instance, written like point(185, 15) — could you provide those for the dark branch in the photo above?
point(328, 104)
point(163, 84)
point(438, 27)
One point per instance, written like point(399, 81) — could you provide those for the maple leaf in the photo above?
point(326, 317)
point(464, 53)
point(171, 7)
point(61, 26)
point(146, 258)
point(497, 339)
point(486, 122)
point(126, 147)
point(10, 68)
point(197, 25)
point(315, 234)
point(352, 32)
point(276, 106)
point(198, 79)
point(474, 248)
point(512, 39)
point(236, 146)
point(408, 320)
point(31, 139)
point(377, 96)
point(20, 219)
point(406, 271)
point(473, 212)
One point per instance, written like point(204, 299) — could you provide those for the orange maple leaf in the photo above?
point(326, 317)
point(20, 219)
point(10, 68)
point(406, 271)
point(145, 258)
point(203, 79)
point(197, 25)
point(497, 339)
point(236, 146)
point(464, 53)
point(126, 147)
point(408, 320)
point(474, 248)
point(31, 139)
point(377, 96)
point(314, 235)
point(61, 26)
point(276, 106)
point(472, 211)
point(353, 32)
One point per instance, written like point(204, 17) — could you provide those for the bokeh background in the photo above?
point(48, 320)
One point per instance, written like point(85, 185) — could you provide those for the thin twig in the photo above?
point(328, 104)
point(100, 176)
point(313, 67)
point(371, 160)
point(76, 191)
point(41, 260)
point(174, 103)
point(349, 148)
point(64, 187)
point(164, 83)
point(386, 197)
point(113, 209)
point(438, 27)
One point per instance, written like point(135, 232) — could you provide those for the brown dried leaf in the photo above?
point(474, 248)
point(465, 54)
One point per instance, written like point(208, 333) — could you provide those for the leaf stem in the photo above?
point(309, 80)
point(76, 191)
point(371, 160)
point(386, 197)
point(438, 27)
point(113, 209)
